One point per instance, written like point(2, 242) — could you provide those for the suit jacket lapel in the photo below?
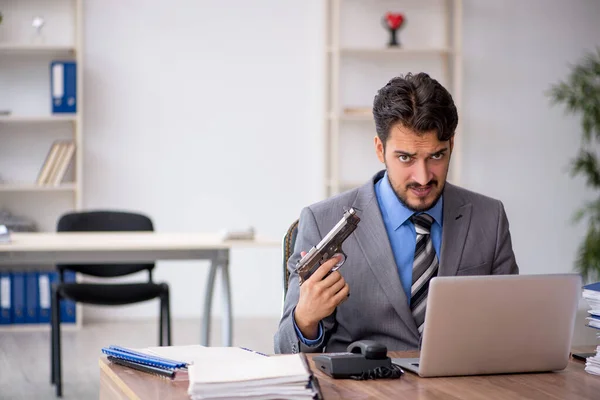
point(457, 218)
point(374, 243)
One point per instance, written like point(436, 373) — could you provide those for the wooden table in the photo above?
point(124, 247)
point(118, 382)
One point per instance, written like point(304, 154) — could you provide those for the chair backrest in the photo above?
point(105, 221)
point(289, 240)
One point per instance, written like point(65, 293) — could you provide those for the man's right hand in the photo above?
point(319, 297)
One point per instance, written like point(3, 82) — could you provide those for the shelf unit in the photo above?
point(358, 62)
point(26, 134)
point(62, 40)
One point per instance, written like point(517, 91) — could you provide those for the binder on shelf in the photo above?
point(63, 86)
point(5, 298)
point(67, 307)
point(31, 297)
point(18, 297)
point(44, 296)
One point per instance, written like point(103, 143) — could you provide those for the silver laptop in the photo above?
point(479, 325)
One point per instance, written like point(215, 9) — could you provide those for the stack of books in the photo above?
point(57, 162)
point(591, 293)
point(277, 377)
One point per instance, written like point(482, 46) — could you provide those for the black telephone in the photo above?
point(365, 359)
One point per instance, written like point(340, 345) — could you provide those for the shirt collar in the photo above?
point(397, 212)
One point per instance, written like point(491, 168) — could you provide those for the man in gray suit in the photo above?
point(414, 226)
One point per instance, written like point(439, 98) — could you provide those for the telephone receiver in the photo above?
point(364, 359)
point(368, 348)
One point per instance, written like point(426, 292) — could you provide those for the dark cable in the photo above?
point(395, 372)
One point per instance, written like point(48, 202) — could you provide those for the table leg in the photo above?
point(220, 261)
point(208, 295)
point(227, 322)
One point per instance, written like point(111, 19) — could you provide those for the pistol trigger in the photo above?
point(341, 262)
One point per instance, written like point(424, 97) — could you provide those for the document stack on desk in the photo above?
point(277, 377)
point(591, 293)
point(592, 364)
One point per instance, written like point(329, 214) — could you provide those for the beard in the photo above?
point(403, 195)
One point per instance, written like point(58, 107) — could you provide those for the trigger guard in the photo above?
point(340, 263)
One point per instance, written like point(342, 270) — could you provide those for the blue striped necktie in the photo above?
point(425, 267)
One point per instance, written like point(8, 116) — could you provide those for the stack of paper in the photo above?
point(196, 353)
point(591, 294)
point(277, 377)
point(592, 364)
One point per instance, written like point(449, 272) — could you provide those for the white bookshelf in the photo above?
point(28, 131)
point(359, 62)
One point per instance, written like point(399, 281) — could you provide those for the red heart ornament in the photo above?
point(394, 20)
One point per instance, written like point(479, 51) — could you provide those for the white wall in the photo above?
point(205, 115)
point(183, 98)
point(518, 146)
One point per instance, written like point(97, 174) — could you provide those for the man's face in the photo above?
point(417, 165)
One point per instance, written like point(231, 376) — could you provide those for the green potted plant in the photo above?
point(579, 93)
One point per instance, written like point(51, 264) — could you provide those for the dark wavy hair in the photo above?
point(418, 102)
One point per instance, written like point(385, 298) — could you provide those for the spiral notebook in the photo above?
point(142, 358)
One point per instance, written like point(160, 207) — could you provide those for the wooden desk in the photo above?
point(118, 382)
point(93, 247)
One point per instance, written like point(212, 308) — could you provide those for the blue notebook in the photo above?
point(593, 286)
point(142, 358)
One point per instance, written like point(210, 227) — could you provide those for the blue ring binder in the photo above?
point(132, 355)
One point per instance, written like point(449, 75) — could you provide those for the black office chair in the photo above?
point(289, 241)
point(104, 294)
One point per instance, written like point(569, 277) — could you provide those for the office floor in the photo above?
point(25, 356)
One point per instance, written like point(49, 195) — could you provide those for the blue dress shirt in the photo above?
point(401, 231)
point(304, 340)
point(402, 236)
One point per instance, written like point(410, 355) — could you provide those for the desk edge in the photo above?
point(115, 378)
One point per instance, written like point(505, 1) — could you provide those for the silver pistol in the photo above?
point(328, 246)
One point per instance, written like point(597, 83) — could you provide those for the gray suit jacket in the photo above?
point(475, 241)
